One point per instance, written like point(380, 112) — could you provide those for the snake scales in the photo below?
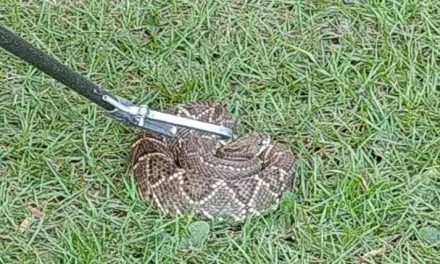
point(198, 171)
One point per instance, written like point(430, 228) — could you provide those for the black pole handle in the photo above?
point(47, 64)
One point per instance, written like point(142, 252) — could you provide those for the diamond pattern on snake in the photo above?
point(199, 171)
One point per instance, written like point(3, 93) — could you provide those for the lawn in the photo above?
point(351, 87)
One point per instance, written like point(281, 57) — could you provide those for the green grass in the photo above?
point(352, 88)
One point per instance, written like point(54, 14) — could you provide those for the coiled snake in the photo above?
point(198, 171)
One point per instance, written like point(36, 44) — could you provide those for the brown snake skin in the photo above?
point(197, 171)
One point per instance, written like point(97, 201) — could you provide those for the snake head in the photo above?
point(246, 147)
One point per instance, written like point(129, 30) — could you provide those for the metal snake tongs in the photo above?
point(116, 107)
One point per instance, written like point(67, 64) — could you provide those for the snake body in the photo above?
point(198, 171)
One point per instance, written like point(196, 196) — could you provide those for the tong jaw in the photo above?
point(132, 114)
point(166, 124)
